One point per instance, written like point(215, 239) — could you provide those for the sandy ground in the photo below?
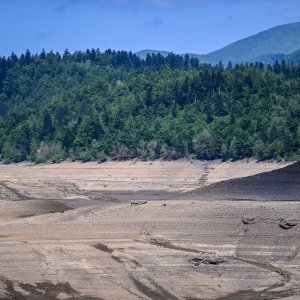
point(69, 231)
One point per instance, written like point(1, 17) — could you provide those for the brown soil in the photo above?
point(279, 185)
point(68, 231)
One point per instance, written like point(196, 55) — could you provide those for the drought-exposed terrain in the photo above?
point(150, 230)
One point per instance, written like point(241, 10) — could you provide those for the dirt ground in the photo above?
point(209, 230)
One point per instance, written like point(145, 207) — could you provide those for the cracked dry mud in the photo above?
point(68, 231)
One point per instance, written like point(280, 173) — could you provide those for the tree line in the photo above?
point(93, 105)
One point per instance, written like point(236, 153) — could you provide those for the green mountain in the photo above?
point(266, 46)
point(273, 57)
point(294, 57)
point(280, 39)
point(269, 58)
point(143, 53)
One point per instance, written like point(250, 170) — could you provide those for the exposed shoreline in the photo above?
point(69, 231)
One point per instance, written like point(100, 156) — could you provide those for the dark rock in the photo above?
point(249, 220)
point(133, 203)
point(288, 224)
point(207, 260)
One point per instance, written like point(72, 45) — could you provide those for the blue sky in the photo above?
point(195, 26)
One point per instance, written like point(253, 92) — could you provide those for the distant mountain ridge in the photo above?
point(294, 57)
point(143, 53)
point(280, 42)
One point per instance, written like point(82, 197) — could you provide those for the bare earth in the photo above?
point(207, 231)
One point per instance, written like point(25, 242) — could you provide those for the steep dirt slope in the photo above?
point(281, 184)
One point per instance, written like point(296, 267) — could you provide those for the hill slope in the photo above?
point(115, 105)
point(277, 185)
point(266, 46)
point(143, 53)
point(294, 57)
point(281, 39)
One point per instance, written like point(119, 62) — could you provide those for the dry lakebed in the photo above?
point(150, 230)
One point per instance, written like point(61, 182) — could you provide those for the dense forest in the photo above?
point(93, 105)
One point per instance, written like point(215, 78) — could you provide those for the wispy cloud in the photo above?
point(155, 22)
point(160, 5)
point(62, 5)
point(163, 4)
point(42, 35)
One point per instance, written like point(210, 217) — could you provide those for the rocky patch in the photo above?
point(207, 260)
point(287, 224)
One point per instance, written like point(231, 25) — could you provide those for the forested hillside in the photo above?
point(92, 105)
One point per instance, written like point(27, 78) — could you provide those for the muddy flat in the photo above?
point(150, 230)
